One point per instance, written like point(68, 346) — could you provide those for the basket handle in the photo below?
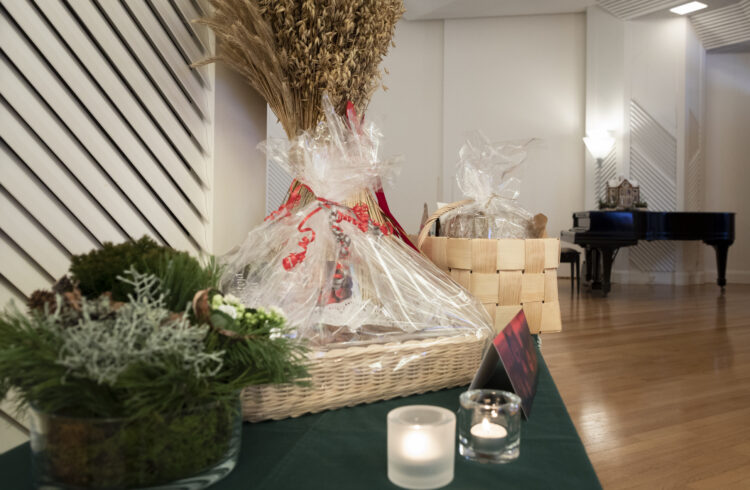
point(434, 217)
point(539, 221)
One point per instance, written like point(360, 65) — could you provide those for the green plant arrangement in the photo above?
point(180, 274)
point(127, 392)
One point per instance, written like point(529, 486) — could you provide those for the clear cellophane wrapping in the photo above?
point(483, 175)
point(341, 279)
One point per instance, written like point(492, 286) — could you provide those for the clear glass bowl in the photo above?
point(190, 450)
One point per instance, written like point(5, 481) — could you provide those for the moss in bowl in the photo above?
point(201, 444)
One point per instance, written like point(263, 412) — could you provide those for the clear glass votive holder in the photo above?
point(421, 446)
point(489, 426)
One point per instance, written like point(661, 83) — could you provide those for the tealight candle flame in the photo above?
point(488, 430)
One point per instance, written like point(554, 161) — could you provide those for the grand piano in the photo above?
point(603, 233)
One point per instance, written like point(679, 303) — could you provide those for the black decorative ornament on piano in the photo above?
point(603, 233)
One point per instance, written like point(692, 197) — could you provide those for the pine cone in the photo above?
point(40, 298)
point(63, 285)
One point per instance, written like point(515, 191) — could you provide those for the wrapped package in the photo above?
point(346, 285)
point(492, 210)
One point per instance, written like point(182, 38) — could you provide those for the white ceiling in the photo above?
point(457, 9)
point(725, 28)
point(633, 9)
point(725, 23)
point(624, 9)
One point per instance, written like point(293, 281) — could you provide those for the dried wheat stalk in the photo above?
point(292, 52)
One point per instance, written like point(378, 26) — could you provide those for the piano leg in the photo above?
point(598, 268)
point(593, 269)
point(722, 248)
point(608, 257)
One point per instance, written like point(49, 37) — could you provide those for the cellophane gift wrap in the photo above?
point(483, 175)
point(347, 286)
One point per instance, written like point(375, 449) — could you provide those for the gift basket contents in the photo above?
point(493, 246)
point(491, 210)
point(380, 319)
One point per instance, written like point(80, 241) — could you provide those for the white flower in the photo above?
point(229, 310)
point(232, 299)
point(275, 333)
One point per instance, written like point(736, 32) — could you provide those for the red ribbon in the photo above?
point(286, 208)
point(294, 258)
point(399, 231)
point(360, 218)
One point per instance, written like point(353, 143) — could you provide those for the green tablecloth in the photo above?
point(346, 449)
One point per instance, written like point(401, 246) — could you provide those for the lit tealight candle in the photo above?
point(418, 445)
point(488, 436)
point(421, 446)
point(489, 430)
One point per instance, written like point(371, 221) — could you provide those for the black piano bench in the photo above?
point(573, 257)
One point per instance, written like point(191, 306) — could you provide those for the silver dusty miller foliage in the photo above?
point(141, 331)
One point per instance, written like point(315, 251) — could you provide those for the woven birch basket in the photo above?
point(506, 275)
point(353, 375)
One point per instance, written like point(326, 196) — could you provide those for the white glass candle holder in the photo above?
point(489, 426)
point(421, 446)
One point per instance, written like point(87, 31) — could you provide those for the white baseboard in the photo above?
point(737, 277)
point(678, 278)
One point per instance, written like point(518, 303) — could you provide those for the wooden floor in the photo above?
point(657, 381)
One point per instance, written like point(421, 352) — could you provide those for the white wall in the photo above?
point(521, 77)
point(410, 114)
point(654, 73)
point(605, 86)
point(239, 169)
point(728, 154)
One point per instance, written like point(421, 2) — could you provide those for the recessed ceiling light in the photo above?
point(688, 8)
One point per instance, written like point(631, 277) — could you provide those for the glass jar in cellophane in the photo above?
point(492, 210)
point(367, 305)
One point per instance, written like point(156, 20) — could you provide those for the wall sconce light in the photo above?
point(599, 144)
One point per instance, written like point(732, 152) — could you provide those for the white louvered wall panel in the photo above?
point(653, 163)
point(694, 166)
point(104, 131)
point(277, 179)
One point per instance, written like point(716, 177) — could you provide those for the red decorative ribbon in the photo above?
point(398, 230)
point(286, 208)
point(359, 217)
point(294, 258)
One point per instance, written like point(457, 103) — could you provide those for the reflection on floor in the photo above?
point(657, 381)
